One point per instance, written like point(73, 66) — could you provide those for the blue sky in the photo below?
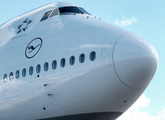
point(144, 18)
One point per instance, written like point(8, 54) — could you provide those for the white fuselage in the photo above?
point(100, 69)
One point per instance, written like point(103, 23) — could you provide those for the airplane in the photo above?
point(59, 62)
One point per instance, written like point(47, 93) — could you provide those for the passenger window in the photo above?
point(38, 68)
point(31, 70)
point(55, 12)
point(92, 56)
point(24, 72)
point(54, 64)
point(72, 60)
point(46, 15)
point(46, 66)
point(5, 78)
point(62, 62)
point(17, 74)
point(82, 58)
point(11, 76)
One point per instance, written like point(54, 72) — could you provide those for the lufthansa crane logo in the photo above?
point(33, 48)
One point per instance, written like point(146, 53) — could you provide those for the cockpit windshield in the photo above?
point(85, 11)
point(72, 9)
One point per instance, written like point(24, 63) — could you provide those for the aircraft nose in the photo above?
point(135, 61)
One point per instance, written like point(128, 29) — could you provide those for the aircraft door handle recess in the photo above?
point(50, 94)
point(46, 84)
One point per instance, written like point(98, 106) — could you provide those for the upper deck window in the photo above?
point(46, 15)
point(71, 9)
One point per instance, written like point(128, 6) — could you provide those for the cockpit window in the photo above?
point(71, 9)
point(55, 12)
point(46, 15)
point(64, 11)
point(84, 11)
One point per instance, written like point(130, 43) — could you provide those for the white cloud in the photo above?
point(141, 102)
point(134, 112)
point(162, 114)
point(125, 21)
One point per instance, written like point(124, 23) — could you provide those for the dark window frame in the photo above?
point(17, 74)
point(72, 60)
point(11, 76)
point(82, 58)
point(5, 77)
point(63, 62)
point(46, 66)
point(31, 70)
point(54, 64)
point(38, 68)
point(24, 72)
point(92, 56)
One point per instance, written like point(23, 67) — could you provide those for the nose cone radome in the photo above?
point(135, 61)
